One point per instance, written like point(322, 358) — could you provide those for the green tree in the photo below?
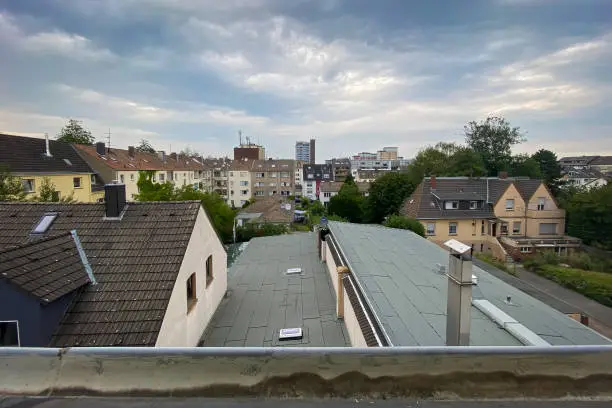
point(402, 222)
point(73, 132)
point(429, 161)
point(11, 188)
point(589, 217)
point(145, 146)
point(493, 139)
point(522, 165)
point(465, 162)
point(549, 167)
point(348, 203)
point(387, 194)
point(150, 191)
point(316, 208)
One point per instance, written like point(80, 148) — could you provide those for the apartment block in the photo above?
point(240, 183)
point(273, 177)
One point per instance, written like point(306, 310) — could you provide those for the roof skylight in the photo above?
point(44, 223)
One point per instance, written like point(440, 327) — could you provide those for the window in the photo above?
point(510, 204)
point(259, 194)
point(482, 228)
point(244, 183)
point(310, 176)
point(326, 194)
point(504, 228)
point(272, 184)
point(473, 205)
point(93, 179)
point(191, 292)
point(184, 175)
point(76, 182)
point(9, 334)
point(452, 228)
point(243, 174)
point(44, 223)
point(153, 178)
point(548, 229)
point(231, 174)
point(161, 178)
point(431, 228)
point(260, 175)
point(516, 227)
point(131, 177)
point(541, 203)
point(28, 185)
point(121, 178)
point(175, 176)
point(209, 270)
point(284, 174)
point(451, 205)
point(525, 250)
point(326, 176)
point(273, 174)
point(244, 192)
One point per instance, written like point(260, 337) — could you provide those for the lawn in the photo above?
point(594, 285)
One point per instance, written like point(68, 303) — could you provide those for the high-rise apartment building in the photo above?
point(305, 151)
point(387, 153)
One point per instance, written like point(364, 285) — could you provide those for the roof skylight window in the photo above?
point(44, 223)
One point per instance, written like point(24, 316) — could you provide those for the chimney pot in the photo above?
point(100, 148)
point(131, 151)
point(432, 182)
point(114, 199)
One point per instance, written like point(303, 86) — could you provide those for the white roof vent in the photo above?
point(294, 271)
point(294, 333)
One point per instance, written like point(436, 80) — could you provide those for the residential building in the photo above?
point(515, 217)
point(240, 183)
point(602, 164)
point(584, 178)
point(249, 151)
point(328, 189)
point(124, 166)
point(376, 287)
point(299, 172)
point(387, 153)
point(576, 161)
point(305, 151)
point(33, 160)
point(273, 177)
point(313, 175)
point(109, 274)
point(368, 175)
point(266, 210)
point(219, 168)
point(341, 168)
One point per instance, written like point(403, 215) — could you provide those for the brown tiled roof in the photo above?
point(119, 159)
point(27, 155)
point(425, 203)
point(330, 186)
point(270, 210)
point(135, 262)
point(47, 269)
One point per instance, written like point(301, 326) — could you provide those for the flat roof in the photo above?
point(399, 275)
point(263, 299)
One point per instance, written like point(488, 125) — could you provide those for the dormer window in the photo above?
point(451, 205)
point(473, 205)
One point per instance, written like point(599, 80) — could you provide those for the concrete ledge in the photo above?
point(484, 372)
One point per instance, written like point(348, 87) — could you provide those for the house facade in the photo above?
point(155, 285)
point(501, 216)
point(273, 178)
point(329, 189)
point(240, 183)
point(36, 161)
point(313, 175)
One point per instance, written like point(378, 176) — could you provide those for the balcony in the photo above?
point(564, 240)
point(546, 214)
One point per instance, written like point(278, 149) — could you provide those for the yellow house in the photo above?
point(499, 215)
point(33, 160)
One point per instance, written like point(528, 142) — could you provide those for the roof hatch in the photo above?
point(294, 333)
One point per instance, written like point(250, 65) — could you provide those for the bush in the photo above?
point(248, 231)
point(316, 208)
point(540, 259)
point(402, 222)
point(493, 262)
point(594, 285)
point(582, 260)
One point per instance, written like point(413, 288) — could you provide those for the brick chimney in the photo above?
point(131, 151)
point(503, 175)
point(432, 182)
point(100, 148)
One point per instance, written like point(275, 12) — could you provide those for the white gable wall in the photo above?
point(181, 328)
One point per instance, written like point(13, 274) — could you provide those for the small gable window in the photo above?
point(451, 205)
point(473, 205)
point(209, 270)
point(191, 292)
point(510, 204)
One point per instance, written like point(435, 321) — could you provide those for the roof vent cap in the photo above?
point(294, 333)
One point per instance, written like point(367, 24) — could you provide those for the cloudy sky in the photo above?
point(354, 74)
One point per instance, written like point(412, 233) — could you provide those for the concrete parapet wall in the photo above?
point(485, 372)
